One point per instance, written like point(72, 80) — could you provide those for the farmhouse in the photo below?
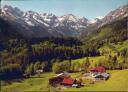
point(99, 69)
point(97, 73)
point(58, 79)
point(55, 80)
point(65, 80)
point(102, 76)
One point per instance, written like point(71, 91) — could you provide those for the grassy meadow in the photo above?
point(117, 82)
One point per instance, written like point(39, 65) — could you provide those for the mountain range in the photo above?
point(31, 24)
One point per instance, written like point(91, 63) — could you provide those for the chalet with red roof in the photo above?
point(68, 81)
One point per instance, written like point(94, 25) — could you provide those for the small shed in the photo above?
point(39, 71)
point(99, 69)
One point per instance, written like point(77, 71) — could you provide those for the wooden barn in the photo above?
point(65, 80)
point(55, 80)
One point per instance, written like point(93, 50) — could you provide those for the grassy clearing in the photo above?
point(31, 84)
point(94, 59)
point(117, 82)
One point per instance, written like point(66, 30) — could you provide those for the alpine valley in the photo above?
point(31, 42)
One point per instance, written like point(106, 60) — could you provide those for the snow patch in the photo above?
point(30, 23)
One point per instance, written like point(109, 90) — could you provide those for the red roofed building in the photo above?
point(99, 69)
point(55, 80)
point(68, 81)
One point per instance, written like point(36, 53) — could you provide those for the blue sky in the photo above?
point(81, 8)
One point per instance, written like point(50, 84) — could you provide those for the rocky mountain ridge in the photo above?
point(33, 24)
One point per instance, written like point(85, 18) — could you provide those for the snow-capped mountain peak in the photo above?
point(120, 12)
point(68, 25)
point(96, 20)
point(12, 12)
point(83, 19)
point(69, 17)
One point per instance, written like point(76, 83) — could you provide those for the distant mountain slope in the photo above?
point(110, 33)
point(113, 32)
point(7, 32)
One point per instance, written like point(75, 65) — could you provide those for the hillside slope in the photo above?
point(111, 33)
point(7, 33)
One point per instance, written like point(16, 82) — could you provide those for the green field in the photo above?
point(117, 82)
point(31, 84)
